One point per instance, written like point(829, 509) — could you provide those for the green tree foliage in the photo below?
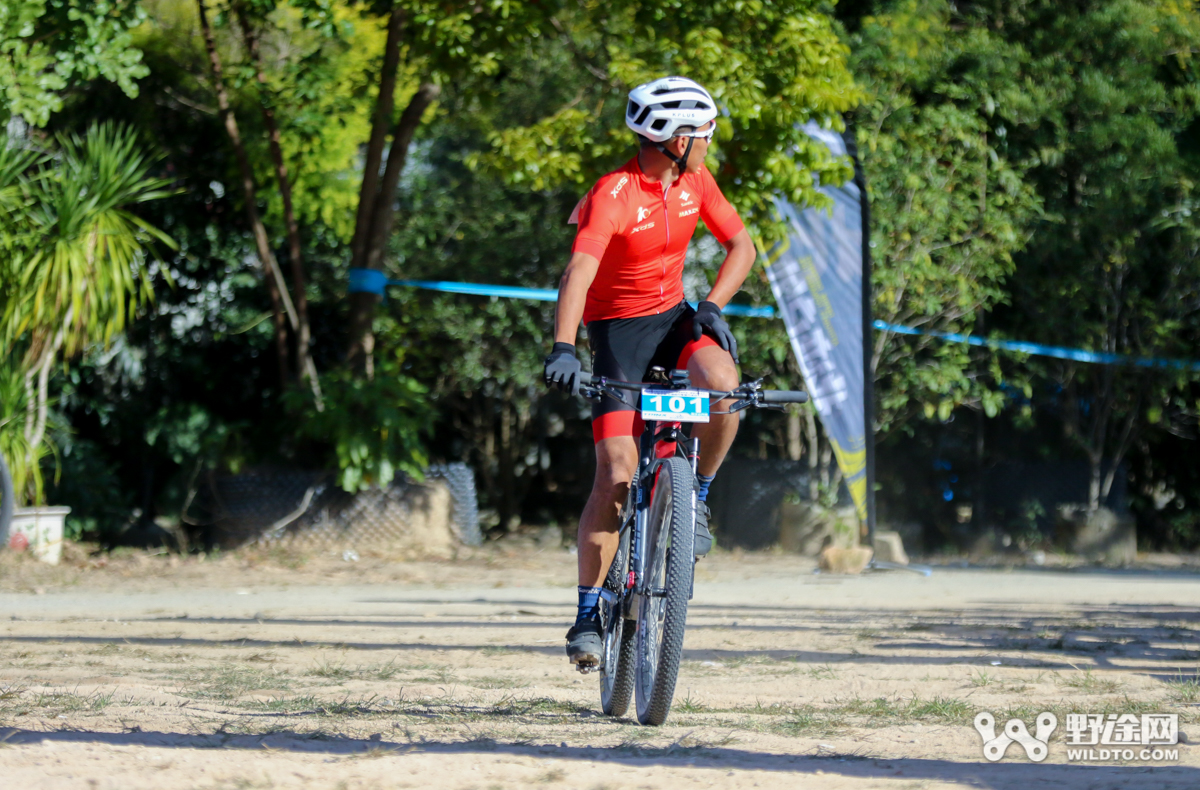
point(949, 206)
point(772, 66)
point(375, 426)
point(77, 257)
point(46, 46)
point(1108, 117)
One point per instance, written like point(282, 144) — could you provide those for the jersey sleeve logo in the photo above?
point(617, 189)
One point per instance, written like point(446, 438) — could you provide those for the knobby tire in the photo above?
point(670, 537)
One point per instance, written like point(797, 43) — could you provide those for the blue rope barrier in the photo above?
point(1037, 349)
point(371, 281)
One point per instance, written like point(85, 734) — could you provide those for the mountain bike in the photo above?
point(644, 599)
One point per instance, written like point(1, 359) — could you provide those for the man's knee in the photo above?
point(616, 461)
point(717, 377)
point(614, 475)
point(711, 368)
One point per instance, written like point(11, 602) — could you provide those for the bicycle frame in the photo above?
point(652, 445)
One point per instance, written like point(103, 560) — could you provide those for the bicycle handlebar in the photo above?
point(783, 396)
point(749, 394)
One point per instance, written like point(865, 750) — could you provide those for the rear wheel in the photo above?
point(662, 614)
point(616, 668)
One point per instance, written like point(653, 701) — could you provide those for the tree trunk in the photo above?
point(826, 462)
point(281, 303)
point(795, 445)
point(1095, 459)
point(506, 459)
point(1122, 448)
point(299, 280)
point(385, 202)
point(362, 305)
point(368, 254)
point(814, 444)
point(979, 506)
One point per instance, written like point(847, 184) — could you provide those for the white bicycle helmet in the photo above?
point(657, 109)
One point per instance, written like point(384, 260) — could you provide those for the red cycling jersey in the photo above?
point(640, 233)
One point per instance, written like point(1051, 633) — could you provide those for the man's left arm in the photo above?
point(740, 255)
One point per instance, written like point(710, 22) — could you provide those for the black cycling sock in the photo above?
point(705, 482)
point(589, 604)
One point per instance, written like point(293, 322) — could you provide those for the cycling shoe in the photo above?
point(585, 644)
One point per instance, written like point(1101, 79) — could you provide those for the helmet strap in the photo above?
point(681, 161)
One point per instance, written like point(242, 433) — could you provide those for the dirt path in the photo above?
point(245, 673)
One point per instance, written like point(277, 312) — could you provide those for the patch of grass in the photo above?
point(310, 705)
point(1125, 704)
point(53, 702)
point(981, 678)
point(385, 671)
point(551, 776)
point(262, 658)
point(284, 705)
point(441, 674)
point(1184, 690)
point(689, 704)
point(809, 721)
point(823, 672)
point(230, 681)
point(1088, 683)
point(499, 683)
point(332, 670)
point(837, 716)
point(365, 706)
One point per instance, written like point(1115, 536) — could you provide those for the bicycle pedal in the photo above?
point(587, 667)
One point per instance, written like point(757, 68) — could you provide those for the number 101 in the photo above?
point(676, 404)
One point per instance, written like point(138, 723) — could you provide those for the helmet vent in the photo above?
point(641, 118)
point(671, 105)
point(633, 108)
point(659, 124)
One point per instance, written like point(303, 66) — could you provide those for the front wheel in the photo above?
point(662, 614)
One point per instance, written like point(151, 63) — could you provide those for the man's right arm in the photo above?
point(572, 295)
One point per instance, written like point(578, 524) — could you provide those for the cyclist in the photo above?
point(625, 281)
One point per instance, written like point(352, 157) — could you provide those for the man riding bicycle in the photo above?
point(625, 281)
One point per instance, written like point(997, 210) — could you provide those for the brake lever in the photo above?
point(745, 403)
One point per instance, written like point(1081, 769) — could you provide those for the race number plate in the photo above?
point(675, 405)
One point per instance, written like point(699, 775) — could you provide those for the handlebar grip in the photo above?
point(784, 396)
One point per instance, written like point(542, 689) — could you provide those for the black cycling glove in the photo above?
point(708, 318)
point(563, 369)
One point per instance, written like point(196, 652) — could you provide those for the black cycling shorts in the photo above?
point(625, 349)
